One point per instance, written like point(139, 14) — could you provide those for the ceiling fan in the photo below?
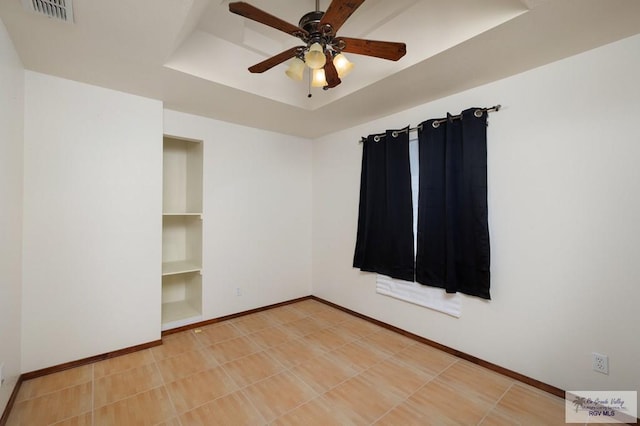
point(322, 49)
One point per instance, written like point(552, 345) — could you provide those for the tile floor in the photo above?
point(300, 364)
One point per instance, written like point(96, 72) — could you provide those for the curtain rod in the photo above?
point(435, 123)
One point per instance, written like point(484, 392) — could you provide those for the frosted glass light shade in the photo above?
point(342, 64)
point(315, 58)
point(319, 79)
point(296, 69)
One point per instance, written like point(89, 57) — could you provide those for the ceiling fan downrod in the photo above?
point(310, 22)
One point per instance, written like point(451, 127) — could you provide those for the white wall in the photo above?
point(564, 207)
point(92, 221)
point(256, 214)
point(11, 132)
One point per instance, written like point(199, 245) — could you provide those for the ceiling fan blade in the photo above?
point(338, 12)
point(330, 72)
point(250, 12)
point(380, 49)
point(275, 60)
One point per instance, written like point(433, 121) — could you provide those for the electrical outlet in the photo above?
point(600, 363)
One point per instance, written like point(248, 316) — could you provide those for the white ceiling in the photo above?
point(194, 54)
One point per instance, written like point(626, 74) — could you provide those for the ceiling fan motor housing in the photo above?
point(309, 22)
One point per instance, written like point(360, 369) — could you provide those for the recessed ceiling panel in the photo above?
point(224, 45)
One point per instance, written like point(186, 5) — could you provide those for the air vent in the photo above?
point(56, 9)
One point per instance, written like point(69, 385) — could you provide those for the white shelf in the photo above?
point(177, 314)
point(182, 214)
point(181, 299)
point(179, 267)
point(181, 244)
point(181, 232)
point(182, 175)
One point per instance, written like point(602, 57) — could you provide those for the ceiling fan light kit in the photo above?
point(323, 50)
point(342, 64)
point(319, 78)
point(296, 69)
point(315, 57)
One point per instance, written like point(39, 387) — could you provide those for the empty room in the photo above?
point(319, 212)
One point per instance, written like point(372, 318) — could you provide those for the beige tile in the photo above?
point(302, 364)
point(317, 412)
point(278, 394)
point(323, 372)
point(531, 407)
point(171, 422)
point(231, 410)
point(346, 334)
point(333, 316)
point(200, 388)
point(252, 368)
point(123, 363)
point(442, 404)
point(122, 385)
point(295, 352)
point(394, 377)
point(185, 365)
point(310, 306)
point(175, 344)
point(85, 419)
point(272, 336)
point(232, 349)
point(52, 407)
point(360, 400)
point(284, 314)
point(388, 342)
point(475, 380)
point(358, 328)
point(326, 339)
point(357, 356)
point(423, 357)
point(496, 419)
point(535, 390)
point(251, 323)
point(437, 404)
point(407, 414)
point(147, 408)
point(304, 326)
point(54, 382)
point(217, 333)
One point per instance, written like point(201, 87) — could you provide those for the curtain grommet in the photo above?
point(376, 138)
point(478, 113)
point(436, 124)
point(394, 134)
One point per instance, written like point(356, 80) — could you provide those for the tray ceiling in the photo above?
point(194, 54)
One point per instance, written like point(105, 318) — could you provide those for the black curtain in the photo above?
point(453, 231)
point(385, 223)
